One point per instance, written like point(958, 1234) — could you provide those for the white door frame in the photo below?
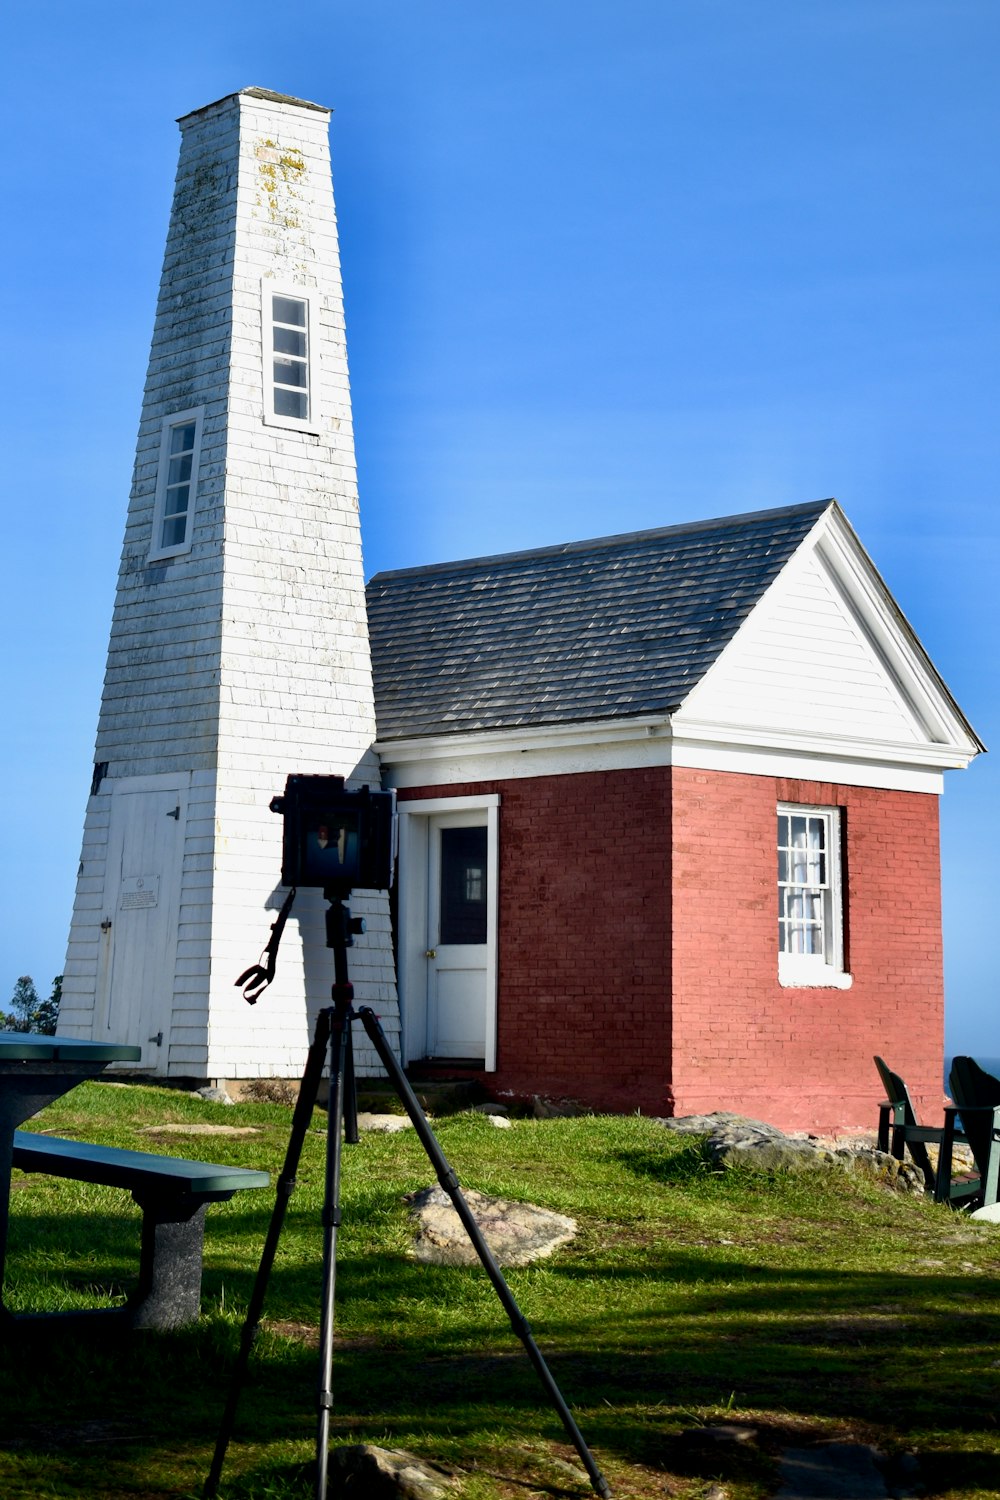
point(414, 828)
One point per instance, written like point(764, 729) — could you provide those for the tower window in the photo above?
point(176, 484)
point(289, 376)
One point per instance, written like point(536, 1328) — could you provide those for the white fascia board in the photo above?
point(892, 637)
point(715, 748)
point(516, 754)
point(535, 738)
point(749, 739)
point(622, 745)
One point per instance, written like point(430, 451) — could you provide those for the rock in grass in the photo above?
point(364, 1472)
point(517, 1233)
point(733, 1140)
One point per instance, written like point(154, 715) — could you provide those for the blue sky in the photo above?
point(609, 264)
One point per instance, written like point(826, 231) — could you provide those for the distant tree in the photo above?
point(23, 1004)
point(28, 1012)
point(46, 1016)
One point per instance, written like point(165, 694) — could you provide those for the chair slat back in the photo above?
point(970, 1087)
point(896, 1091)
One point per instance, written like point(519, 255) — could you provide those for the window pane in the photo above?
point(179, 469)
point(289, 310)
point(289, 341)
point(463, 885)
point(182, 437)
point(173, 531)
point(291, 404)
point(176, 502)
point(289, 372)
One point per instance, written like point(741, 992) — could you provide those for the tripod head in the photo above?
point(337, 839)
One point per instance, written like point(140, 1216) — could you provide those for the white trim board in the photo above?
point(458, 759)
point(411, 960)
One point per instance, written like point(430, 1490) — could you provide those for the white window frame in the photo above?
point(826, 968)
point(162, 500)
point(308, 296)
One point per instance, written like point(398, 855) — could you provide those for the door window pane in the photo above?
point(463, 885)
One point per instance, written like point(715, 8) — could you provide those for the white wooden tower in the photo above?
point(239, 644)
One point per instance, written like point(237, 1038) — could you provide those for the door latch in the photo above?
point(431, 953)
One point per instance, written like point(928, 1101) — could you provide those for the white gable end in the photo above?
point(802, 662)
point(826, 665)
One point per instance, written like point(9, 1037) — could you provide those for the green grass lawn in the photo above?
point(804, 1305)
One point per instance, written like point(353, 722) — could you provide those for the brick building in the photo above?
point(668, 802)
point(704, 763)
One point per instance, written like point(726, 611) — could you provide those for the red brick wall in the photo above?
point(584, 937)
point(609, 997)
point(802, 1058)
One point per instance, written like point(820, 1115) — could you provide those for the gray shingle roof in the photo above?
point(606, 629)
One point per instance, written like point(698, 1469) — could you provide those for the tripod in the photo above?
point(332, 1040)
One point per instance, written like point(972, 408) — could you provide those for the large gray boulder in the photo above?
point(517, 1233)
point(363, 1472)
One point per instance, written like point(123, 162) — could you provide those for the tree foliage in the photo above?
point(28, 1012)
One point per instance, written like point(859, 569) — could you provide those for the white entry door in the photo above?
point(139, 926)
point(458, 907)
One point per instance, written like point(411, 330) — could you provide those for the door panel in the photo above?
point(458, 897)
point(139, 933)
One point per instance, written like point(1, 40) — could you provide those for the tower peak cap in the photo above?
point(267, 95)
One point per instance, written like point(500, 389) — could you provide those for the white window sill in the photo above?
point(292, 424)
point(813, 977)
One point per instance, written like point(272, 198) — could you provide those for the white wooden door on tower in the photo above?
point(139, 926)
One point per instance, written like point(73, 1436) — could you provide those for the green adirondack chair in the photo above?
point(977, 1100)
point(899, 1130)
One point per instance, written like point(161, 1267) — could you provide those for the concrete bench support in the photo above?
point(173, 1194)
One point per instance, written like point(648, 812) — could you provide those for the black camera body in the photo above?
point(336, 838)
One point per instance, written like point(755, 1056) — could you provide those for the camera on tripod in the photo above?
point(335, 837)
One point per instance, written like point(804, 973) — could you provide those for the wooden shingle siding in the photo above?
point(240, 661)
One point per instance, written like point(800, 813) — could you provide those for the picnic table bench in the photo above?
point(173, 1194)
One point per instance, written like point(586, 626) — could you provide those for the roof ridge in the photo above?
point(560, 549)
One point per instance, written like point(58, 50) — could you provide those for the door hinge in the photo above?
point(158, 1039)
point(175, 814)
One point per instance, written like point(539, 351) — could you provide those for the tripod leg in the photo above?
point(341, 1099)
point(446, 1177)
point(308, 1091)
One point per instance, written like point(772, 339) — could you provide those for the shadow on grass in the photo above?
point(424, 1356)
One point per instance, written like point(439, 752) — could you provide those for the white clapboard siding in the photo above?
point(805, 663)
